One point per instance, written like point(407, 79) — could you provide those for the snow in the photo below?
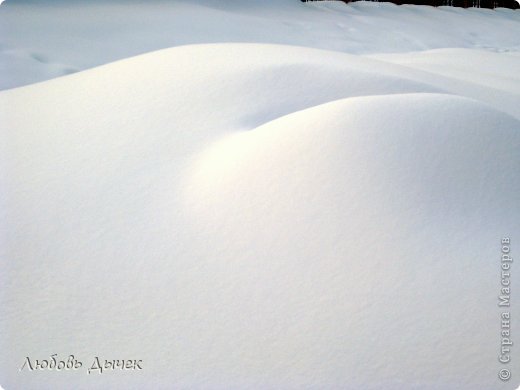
point(274, 202)
point(34, 47)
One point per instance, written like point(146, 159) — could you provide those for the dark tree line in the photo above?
point(454, 3)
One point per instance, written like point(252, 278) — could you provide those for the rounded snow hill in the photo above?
point(40, 40)
point(357, 244)
point(256, 216)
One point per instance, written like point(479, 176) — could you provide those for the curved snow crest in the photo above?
point(260, 74)
point(334, 214)
point(422, 116)
point(83, 34)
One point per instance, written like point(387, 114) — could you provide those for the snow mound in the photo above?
point(338, 238)
point(256, 216)
point(77, 35)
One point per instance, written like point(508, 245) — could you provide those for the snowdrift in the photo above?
point(40, 40)
point(259, 216)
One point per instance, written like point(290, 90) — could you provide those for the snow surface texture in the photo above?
point(262, 216)
point(49, 38)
